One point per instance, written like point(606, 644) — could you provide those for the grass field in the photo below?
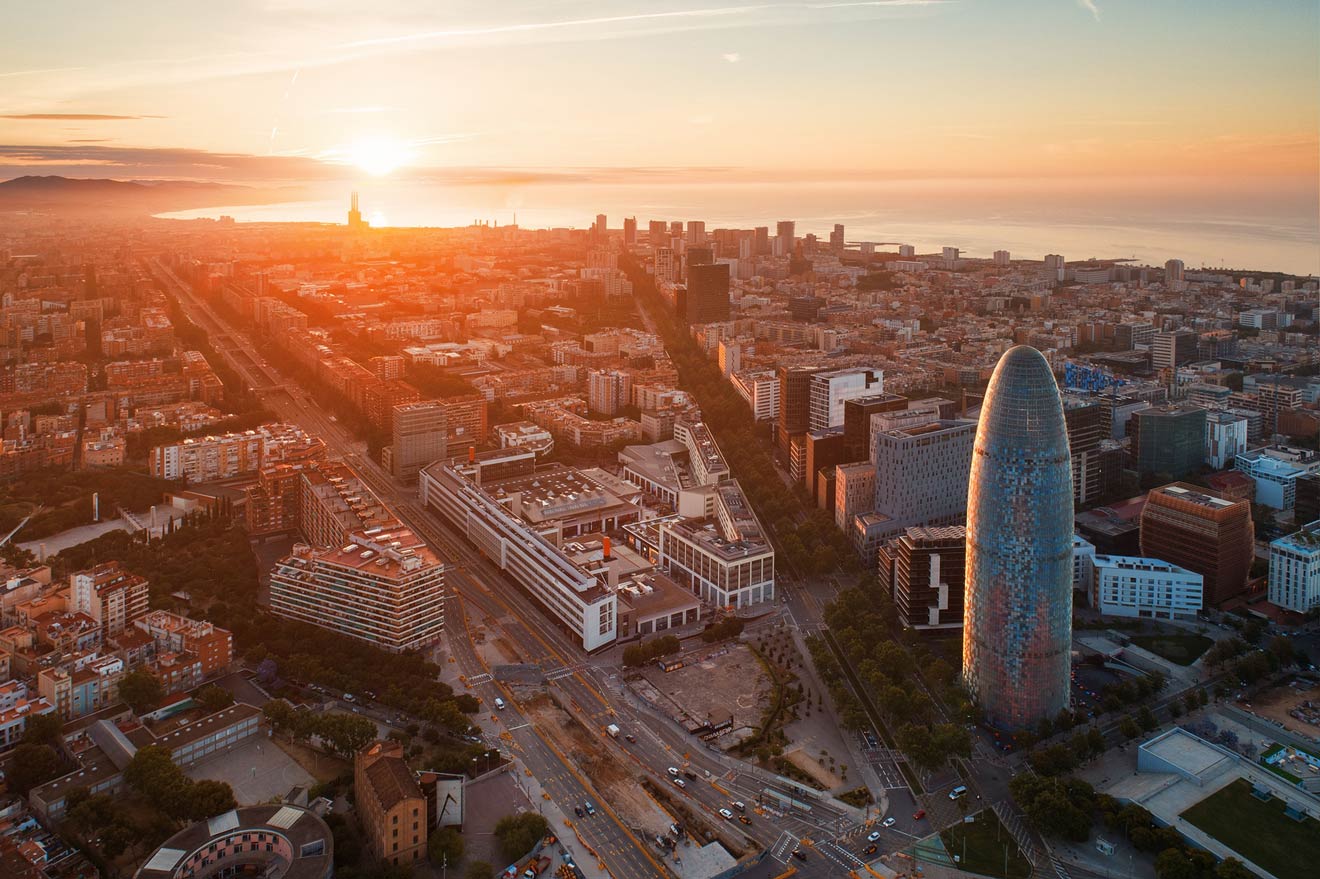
point(986, 840)
point(1259, 831)
point(1182, 649)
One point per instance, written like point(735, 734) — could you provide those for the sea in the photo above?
point(1258, 226)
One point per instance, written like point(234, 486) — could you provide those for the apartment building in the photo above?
point(171, 632)
point(1146, 588)
point(1295, 570)
point(111, 595)
point(382, 585)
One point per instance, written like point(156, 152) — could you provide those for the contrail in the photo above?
point(712, 12)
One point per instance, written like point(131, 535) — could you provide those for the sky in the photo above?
point(1210, 92)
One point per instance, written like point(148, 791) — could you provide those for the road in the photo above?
point(592, 687)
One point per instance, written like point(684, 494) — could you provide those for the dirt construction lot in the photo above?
point(1276, 703)
point(713, 685)
point(614, 780)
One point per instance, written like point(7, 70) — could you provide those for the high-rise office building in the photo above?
point(1017, 632)
point(657, 233)
point(761, 239)
point(706, 298)
point(836, 238)
point(1174, 270)
point(924, 572)
point(630, 230)
point(1295, 570)
point(696, 232)
point(857, 412)
point(921, 470)
point(1173, 349)
point(830, 390)
point(1002, 258)
point(420, 436)
point(601, 227)
point(663, 260)
point(1169, 440)
point(784, 238)
point(794, 405)
point(906, 251)
point(1202, 531)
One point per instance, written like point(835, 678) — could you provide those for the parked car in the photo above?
point(919, 814)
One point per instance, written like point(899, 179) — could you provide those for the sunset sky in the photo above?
point(253, 90)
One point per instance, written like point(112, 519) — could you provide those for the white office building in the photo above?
point(1225, 438)
point(726, 559)
point(1295, 570)
point(573, 597)
point(761, 391)
point(1131, 586)
point(830, 390)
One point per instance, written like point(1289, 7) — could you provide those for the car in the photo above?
point(577, 810)
point(590, 809)
point(799, 854)
point(680, 782)
point(869, 850)
point(957, 791)
point(888, 822)
point(919, 814)
point(630, 738)
point(692, 776)
point(499, 703)
point(726, 814)
point(873, 836)
point(748, 821)
point(673, 770)
point(739, 805)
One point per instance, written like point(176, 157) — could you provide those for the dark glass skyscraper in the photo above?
point(1017, 633)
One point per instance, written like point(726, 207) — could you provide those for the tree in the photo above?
point(445, 846)
point(479, 870)
point(208, 798)
point(1173, 863)
point(142, 690)
point(153, 774)
point(1232, 868)
point(1128, 727)
point(32, 765)
point(43, 729)
point(517, 834)
point(213, 698)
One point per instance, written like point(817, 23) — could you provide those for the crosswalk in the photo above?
point(782, 850)
point(840, 855)
point(483, 678)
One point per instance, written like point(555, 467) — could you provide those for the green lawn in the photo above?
point(1182, 649)
point(1259, 831)
point(986, 840)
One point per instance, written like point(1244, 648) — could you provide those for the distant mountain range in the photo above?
point(105, 196)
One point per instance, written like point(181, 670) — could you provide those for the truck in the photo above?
point(535, 867)
point(613, 730)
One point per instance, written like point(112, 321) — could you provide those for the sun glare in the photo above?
point(378, 156)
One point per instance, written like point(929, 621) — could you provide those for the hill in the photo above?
point(102, 195)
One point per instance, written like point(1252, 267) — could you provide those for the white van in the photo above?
point(957, 792)
point(499, 703)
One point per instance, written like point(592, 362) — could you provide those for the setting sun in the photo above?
point(378, 156)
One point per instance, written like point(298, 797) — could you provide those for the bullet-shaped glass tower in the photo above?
point(1017, 634)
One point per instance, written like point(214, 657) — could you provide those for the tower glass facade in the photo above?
point(1017, 634)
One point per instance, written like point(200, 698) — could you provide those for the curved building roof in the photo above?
point(1017, 634)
